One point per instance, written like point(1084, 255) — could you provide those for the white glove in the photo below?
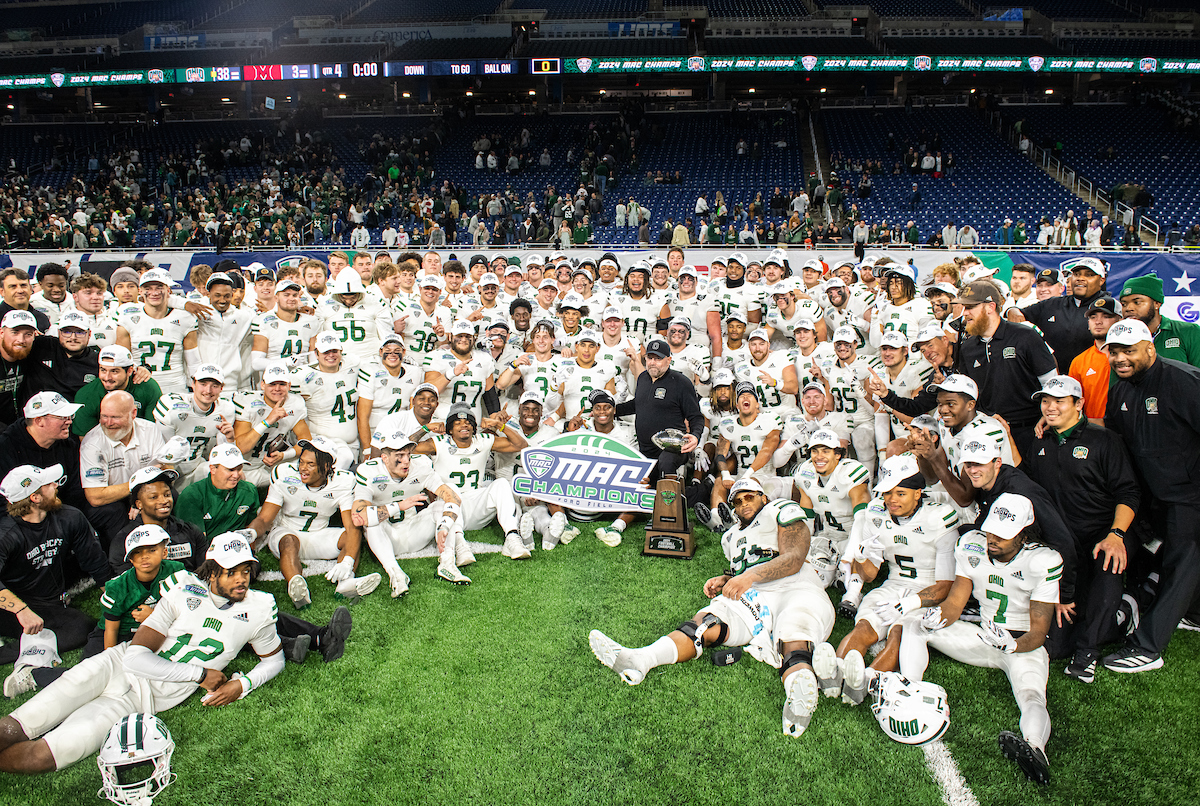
point(342, 571)
point(932, 620)
point(998, 637)
point(889, 612)
point(702, 461)
point(718, 362)
point(870, 550)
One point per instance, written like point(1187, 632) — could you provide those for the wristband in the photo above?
point(393, 509)
point(260, 428)
point(501, 428)
point(203, 674)
point(726, 475)
point(1118, 532)
point(372, 516)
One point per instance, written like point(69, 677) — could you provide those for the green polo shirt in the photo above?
point(145, 395)
point(1179, 341)
point(125, 593)
point(217, 511)
point(1062, 436)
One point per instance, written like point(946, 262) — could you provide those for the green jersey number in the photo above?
point(354, 331)
point(343, 406)
point(312, 516)
point(769, 397)
point(212, 648)
point(291, 347)
point(466, 392)
point(149, 350)
point(746, 455)
point(844, 399)
point(908, 568)
point(1001, 607)
point(423, 342)
point(465, 481)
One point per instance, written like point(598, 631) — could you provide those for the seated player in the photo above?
point(1015, 579)
point(769, 599)
point(461, 456)
point(832, 489)
point(746, 448)
point(916, 537)
point(199, 625)
point(303, 497)
point(392, 508)
point(200, 418)
point(548, 520)
point(600, 417)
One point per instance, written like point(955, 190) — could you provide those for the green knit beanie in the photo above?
point(1148, 286)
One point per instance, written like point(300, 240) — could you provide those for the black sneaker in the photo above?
point(1030, 759)
point(971, 612)
point(333, 636)
point(1129, 615)
point(296, 649)
point(1132, 659)
point(1083, 666)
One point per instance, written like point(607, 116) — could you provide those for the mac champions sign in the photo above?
point(587, 471)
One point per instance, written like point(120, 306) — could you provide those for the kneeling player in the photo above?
point(769, 597)
point(916, 537)
point(303, 497)
point(390, 505)
point(1015, 579)
point(833, 492)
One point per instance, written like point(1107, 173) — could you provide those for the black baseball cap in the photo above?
point(743, 388)
point(1048, 276)
point(477, 259)
point(1107, 305)
point(658, 348)
point(264, 274)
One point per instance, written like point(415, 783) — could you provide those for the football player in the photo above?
point(780, 319)
point(580, 375)
point(903, 309)
point(537, 370)
point(359, 321)
point(201, 622)
point(905, 377)
point(599, 417)
point(263, 422)
point(639, 307)
point(154, 333)
point(1015, 579)
point(223, 337)
point(746, 448)
point(463, 375)
point(330, 394)
point(811, 354)
point(691, 305)
point(385, 387)
point(916, 538)
point(847, 386)
point(200, 421)
point(690, 360)
point(623, 352)
point(769, 599)
point(832, 489)
point(426, 324)
point(772, 374)
point(548, 520)
point(392, 497)
point(283, 333)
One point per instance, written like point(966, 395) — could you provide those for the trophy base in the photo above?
point(659, 543)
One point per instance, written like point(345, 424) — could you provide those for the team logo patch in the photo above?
point(1010, 352)
point(660, 394)
point(195, 589)
point(1152, 405)
point(1080, 452)
point(922, 63)
point(242, 510)
point(292, 490)
point(1036, 62)
point(192, 603)
point(1171, 343)
point(583, 64)
point(974, 561)
point(155, 76)
point(809, 62)
point(57, 79)
point(539, 463)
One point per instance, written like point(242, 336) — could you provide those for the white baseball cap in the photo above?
point(328, 341)
point(114, 355)
point(979, 451)
point(548, 282)
point(158, 276)
point(531, 396)
point(761, 333)
point(688, 270)
point(816, 386)
point(229, 550)
point(1127, 332)
point(804, 324)
point(746, 484)
point(488, 278)
point(612, 312)
point(215, 278)
point(834, 282)
point(824, 437)
point(894, 338)
point(347, 282)
point(75, 320)
point(736, 315)
point(320, 444)
point(1097, 265)
point(25, 480)
point(1010, 513)
point(931, 331)
point(462, 328)
point(209, 372)
point(813, 264)
point(588, 335)
point(147, 475)
point(226, 455)
point(723, 377)
point(397, 440)
point(845, 333)
point(515, 269)
point(174, 450)
point(942, 288)
point(15, 319)
point(902, 269)
point(962, 384)
point(44, 403)
point(432, 281)
point(284, 285)
point(896, 469)
point(276, 372)
point(149, 535)
point(1060, 386)
point(739, 257)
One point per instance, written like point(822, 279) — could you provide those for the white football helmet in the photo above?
point(909, 713)
point(135, 761)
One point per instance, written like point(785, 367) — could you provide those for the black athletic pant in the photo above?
point(1179, 576)
point(1097, 597)
point(71, 626)
point(44, 676)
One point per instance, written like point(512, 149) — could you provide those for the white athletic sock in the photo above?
point(914, 654)
point(618, 524)
point(662, 652)
point(1035, 719)
point(381, 546)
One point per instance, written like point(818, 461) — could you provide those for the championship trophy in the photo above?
point(669, 534)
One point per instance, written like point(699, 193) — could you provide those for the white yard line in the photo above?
point(955, 791)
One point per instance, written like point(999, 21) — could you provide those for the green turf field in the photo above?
point(489, 694)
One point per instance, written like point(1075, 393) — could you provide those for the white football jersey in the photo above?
point(388, 394)
point(375, 485)
point(1004, 590)
point(769, 397)
point(359, 329)
point(911, 379)
point(798, 425)
point(691, 361)
point(540, 376)
point(616, 356)
point(758, 542)
point(575, 382)
point(830, 495)
point(724, 300)
point(303, 508)
point(822, 356)
point(640, 315)
point(249, 407)
point(782, 326)
point(747, 440)
point(103, 327)
point(846, 386)
point(201, 633)
point(331, 399)
point(852, 315)
point(984, 428)
point(919, 551)
point(467, 387)
point(178, 415)
point(908, 318)
point(694, 309)
point(462, 468)
point(491, 316)
point(157, 344)
point(285, 339)
point(420, 329)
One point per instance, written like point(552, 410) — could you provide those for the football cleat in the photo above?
point(1132, 659)
point(514, 547)
point(704, 515)
point(298, 591)
point(462, 550)
point(609, 537)
point(558, 529)
point(333, 636)
point(19, 682)
point(399, 582)
point(448, 571)
point(1030, 759)
point(801, 690)
point(847, 608)
point(1083, 666)
point(615, 657)
point(828, 668)
point(296, 649)
point(356, 588)
point(526, 528)
point(971, 613)
point(569, 534)
point(854, 678)
point(725, 513)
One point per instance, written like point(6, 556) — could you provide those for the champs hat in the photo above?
point(328, 341)
point(1060, 386)
point(961, 384)
point(1128, 332)
point(745, 485)
point(114, 355)
point(16, 319)
point(230, 550)
point(156, 276)
point(722, 377)
point(25, 480)
point(759, 333)
point(44, 403)
point(226, 455)
point(277, 372)
point(894, 338)
point(284, 285)
point(825, 438)
point(73, 320)
point(145, 536)
point(209, 372)
point(744, 388)
point(1010, 513)
point(145, 476)
point(320, 445)
point(1094, 264)
point(396, 441)
point(979, 452)
point(612, 312)
point(846, 334)
point(900, 471)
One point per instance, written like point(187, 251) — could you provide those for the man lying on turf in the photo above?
point(769, 597)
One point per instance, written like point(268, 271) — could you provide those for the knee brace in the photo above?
point(696, 632)
point(794, 657)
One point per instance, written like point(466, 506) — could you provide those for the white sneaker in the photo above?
point(399, 581)
point(558, 529)
point(298, 590)
point(526, 528)
point(357, 587)
point(448, 571)
point(20, 681)
point(854, 678)
point(615, 657)
point(609, 537)
point(568, 534)
point(462, 550)
point(801, 690)
point(514, 548)
point(828, 669)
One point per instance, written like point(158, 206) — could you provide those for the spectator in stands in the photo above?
point(1004, 233)
point(950, 234)
point(967, 237)
point(914, 200)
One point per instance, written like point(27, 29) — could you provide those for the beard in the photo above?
point(51, 505)
point(978, 327)
point(117, 434)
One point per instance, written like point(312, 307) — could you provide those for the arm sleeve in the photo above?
point(944, 562)
point(1050, 588)
point(141, 662)
point(93, 470)
point(491, 401)
point(259, 361)
point(263, 672)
